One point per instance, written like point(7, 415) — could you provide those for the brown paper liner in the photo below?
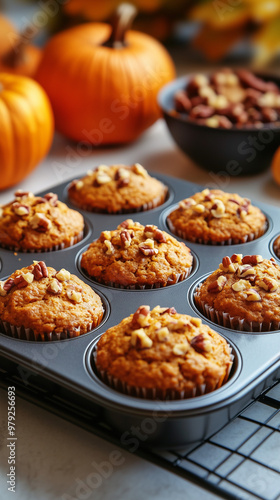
point(60, 246)
point(157, 393)
point(231, 241)
point(156, 202)
point(177, 279)
point(233, 322)
point(21, 333)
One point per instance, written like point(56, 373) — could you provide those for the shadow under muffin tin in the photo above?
point(256, 355)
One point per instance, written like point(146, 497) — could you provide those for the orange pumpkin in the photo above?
point(103, 81)
point(17, 55)
point(26, 120)
point(275, 166)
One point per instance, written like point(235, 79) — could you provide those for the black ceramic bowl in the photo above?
point(229, 151)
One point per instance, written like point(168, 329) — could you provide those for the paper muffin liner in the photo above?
point(177, 279)
point(233, 322)
point(22, 333)
point(156, 202)
point(230, 241)
point(157, 393)
point(73, 240)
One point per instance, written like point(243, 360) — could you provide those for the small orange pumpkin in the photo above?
point(17, 55)
point(26, 120)
point(103, 81)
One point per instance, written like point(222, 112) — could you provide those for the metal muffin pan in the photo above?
point(68, 367)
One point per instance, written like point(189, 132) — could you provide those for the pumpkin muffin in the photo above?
point(217, 218)
point(117, 189)
point(276, 247)
point(39, 303)
point(243, 294)
point(159, 353)
point(34, 223)
point(136, 256)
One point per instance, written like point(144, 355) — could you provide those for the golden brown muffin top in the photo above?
point(117, 188)
point(46, 300)
point(217, 216)
point(136, 254)
point(163, 349)
point(36, 222)
point(244, 286)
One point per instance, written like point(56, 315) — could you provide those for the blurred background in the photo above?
point(201, 33)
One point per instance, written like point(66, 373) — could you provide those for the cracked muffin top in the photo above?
point(246, 287)
point(117, 189)
point(53, 304)
point(163, 350)
point(39, 223)
point(136, 256)
point(215, 217)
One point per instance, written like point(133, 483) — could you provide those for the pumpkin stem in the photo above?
point(122, 21)
point(16, 55)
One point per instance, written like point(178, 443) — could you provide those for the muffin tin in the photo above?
point(68, 366)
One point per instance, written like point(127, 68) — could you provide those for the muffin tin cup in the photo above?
point(177, 279)
point(157, 393)
point(156, 202)
point(230, 241)
point(61, 246)
point(22, 333)
point(233, 322)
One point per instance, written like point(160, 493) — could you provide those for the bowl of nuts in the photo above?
point(227, 121)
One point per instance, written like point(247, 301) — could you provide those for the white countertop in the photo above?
point(54, 456)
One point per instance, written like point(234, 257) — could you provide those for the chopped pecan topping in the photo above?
point(102, 178)
point(253, 296)
point(227, 265)
point(8, 284)
point(218, 209)
point(242, 211)
point(21, 209)
point(201, 344)
point(79, 185)
point(180, 349)
point(140, 317)
point(252, 259)
point(105, 235)
point(125, 238)
point(187, 203)
point(140, 339)
point(240, 285)
point(22, 280)
point(21, 194)
point(139, 170)
point(199, 208)
point(217, 285)
point(236, 258)
point(246, 271)
point(147, 248)
point(153, 232)
point(40, 270)
point(126, 224)
point(162, 334)
point(110, 248)
point(169, 310)
point(123, 182)
point(74, 295)
point(52, 198)
point(54, 287)
point(196, 322)
point(63, 275)
point(122, 173)
point(40, 223)
point(268, 284)
point(3, 292)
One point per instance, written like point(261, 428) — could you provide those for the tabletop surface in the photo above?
point(55, 459)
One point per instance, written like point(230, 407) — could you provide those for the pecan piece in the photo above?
point(187, 203)
point(21, 194)
point(153, 232)
point(125, 238)
point(218, 209)
point(246, 271)
point(253, 295)
point(40, 223)
point(201, 344)
point(217, 285)
point(252, 259)
point(123, 182)
point(52, 198)
point(169, 310)
point(140, 339)
point(147, 248)
point(268, 284)
point(21, 209)
point(22, 280)
point(126, 224)
point(140, 317)
point(182, 102)
point(180, 349)
point(202, 111)
point(40, 270)
point(54, 287)
point(8, 284)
